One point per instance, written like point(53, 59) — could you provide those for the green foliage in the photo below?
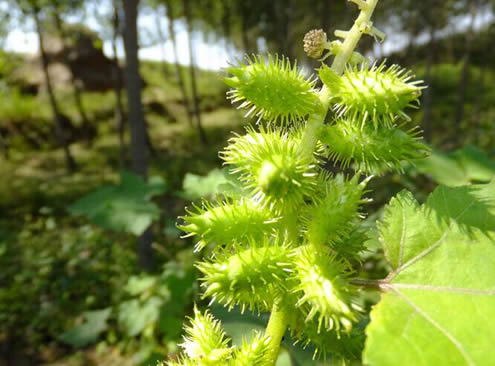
point(95, 322)
point(195, 186)
point(122, 208)
point(60, 272)
point(156, 302)
point(15, 107)
point(135, 316)
point(463, 166)
point(443, 261)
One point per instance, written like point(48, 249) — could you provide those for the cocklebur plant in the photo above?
point(290, 244)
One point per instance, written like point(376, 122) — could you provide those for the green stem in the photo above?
point(275, 329)
point(277, 325)
point(353, 36)
point(351, 40)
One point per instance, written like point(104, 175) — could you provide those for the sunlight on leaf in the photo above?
point(196, 186)
point(439, 304)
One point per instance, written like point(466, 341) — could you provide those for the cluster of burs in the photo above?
point(287, 234)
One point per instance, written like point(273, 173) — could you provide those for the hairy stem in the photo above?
point(349, 44)
point(277, 324)
point(275, 329)
point(368, 284)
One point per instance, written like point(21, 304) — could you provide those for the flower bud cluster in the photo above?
point(315, 43)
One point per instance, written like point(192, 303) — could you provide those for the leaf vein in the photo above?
point(460, 290)
point(442, 330)
point(428, 250)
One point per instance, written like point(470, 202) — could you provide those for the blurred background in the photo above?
point(112, 113)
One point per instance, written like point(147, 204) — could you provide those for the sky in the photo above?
point(208, 56)
point(211, 56)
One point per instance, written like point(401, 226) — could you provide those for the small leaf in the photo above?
point(459, 168)
point(196, 186)
point(137, 285)
point(443, 168)
point(479, 167)
point(135, 316)
point(95, 322)
point(125, 207)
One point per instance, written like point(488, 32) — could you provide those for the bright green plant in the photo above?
point(289, 242)
point(126, 207)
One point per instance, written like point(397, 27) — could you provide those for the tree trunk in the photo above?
point(464, 81)
point(59, 130)
point(139, 144)
point(249, 47)
point(325, 14)
point(427, 95)
point(85, 123)
point(162, 40)
point(413, 33)
point(285, 10)
point(117, 86)
point(192, 70)
point(4, 147)
point(178, 70)
point(227, 26)
point(476, 115)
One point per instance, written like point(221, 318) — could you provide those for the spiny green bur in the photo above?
point(271, 89)
point(291, 244)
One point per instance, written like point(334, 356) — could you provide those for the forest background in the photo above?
point(101, 150)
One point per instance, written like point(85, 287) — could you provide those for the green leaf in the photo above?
point(443, 169)
point(135, 316)
point(136, 285)
point(196, 186)
point(81, 335)
point(469, 206)
point(439, 304)
point(469, 164)
point(477, 165)
point(122, 208)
